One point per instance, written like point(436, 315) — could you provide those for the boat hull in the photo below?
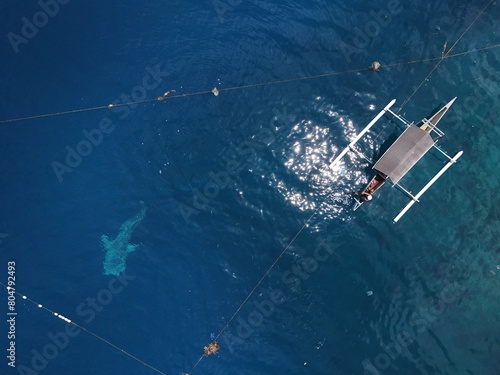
point(376, 183)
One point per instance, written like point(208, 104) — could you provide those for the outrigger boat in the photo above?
point(403, 154)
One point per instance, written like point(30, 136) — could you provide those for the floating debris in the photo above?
point(160, 98)
point(375, 66)
point(369, 293)
point(444, 49)
point(215, 91)
point(320, 344)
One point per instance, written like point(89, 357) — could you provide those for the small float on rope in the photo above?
point(375, 67)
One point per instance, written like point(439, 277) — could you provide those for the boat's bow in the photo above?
point(429, 125)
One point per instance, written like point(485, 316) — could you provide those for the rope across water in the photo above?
point(252, 85)
point(69, 321)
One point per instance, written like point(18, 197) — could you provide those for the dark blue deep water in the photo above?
point(229, 180)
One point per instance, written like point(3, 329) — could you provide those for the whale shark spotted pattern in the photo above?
point(118, 249)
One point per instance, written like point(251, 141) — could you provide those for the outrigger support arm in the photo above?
point(424, 189)
point(400, 118)
point(406, 192)
point(360, 135)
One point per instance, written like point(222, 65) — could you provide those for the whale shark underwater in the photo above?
point(118, 249)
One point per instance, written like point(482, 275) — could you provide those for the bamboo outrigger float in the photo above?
point(403, 154)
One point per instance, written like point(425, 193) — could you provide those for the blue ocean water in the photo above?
point(353, 294)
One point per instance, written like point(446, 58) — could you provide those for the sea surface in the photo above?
point(247, 233)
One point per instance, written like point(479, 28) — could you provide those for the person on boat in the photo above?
point(365, 197)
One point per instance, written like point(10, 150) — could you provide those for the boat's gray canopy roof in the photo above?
point(404, 153)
